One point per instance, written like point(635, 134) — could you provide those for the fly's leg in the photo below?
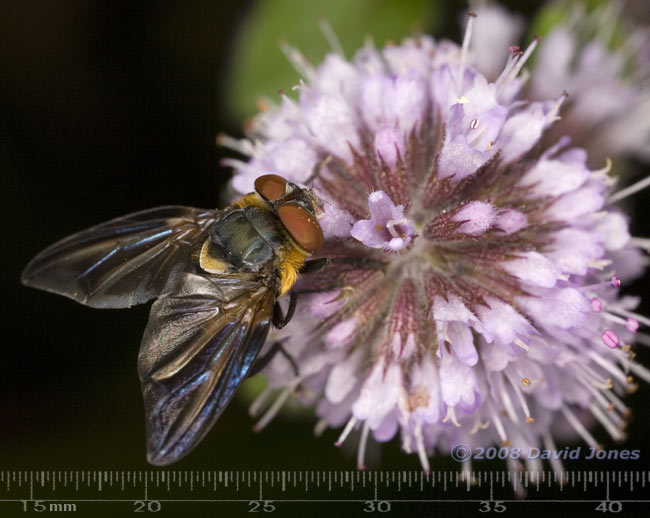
point(316, 171)
point(280, 320)
point(315, 265)
point(263, 361)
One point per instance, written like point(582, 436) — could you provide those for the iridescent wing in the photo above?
point(125, 261)
point(198, 347)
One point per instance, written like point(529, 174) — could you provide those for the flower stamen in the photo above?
point(299, 62)
point(629, 191)
point(611, 428)
point(552, 115)
point(451, 415)
point(520, 343)
point(277, 404)
point(522, 400)
point(467, 38)
point(422, 454)
point(330, 36)
point(320, 427)
point(603, 174)
point(259, 402)
point(346, 431)
point(549, 444)
point(243, 146)
point(610, 338)
point(392, 224)
point(505, 398)
point(641, 242)
point(361, 452)
point(579, 427)
point(518, 63)
point(498, 425)
point(479, 425)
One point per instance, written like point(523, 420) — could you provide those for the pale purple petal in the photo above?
point(533, 268)
point(586, 200)
point(457, 381)
point(459, 160)
point(379, 394)
point(366, 232)
point(555, 177)
point(477, 216)
point(323, 304)
point(389, 145)
point(341, 379)
point(368, 61)
point(335, 222)
point(444, 88)
point(382, 208)
point(453, 310)
point(573, 250)
point(331, 122)
point(462, 343)
point(387, 428)
point(614, 228)
point(495, 357)
point(336, 76)
point(397, 101)
point(425, 389)
point(521, 131)
point(561, 307)
point(510, 221)
point(468, 142)
point(294, 159)
point(413, 55)
point(341, 333)
point(387, 229)
point(485, 127)
point(501, 322)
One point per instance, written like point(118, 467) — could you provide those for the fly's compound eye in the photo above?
point(302, 226)
point(270, 186)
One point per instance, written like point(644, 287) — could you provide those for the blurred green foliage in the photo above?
point(259, 67)
point(599, 19)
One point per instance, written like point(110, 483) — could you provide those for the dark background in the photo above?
point(106, 109)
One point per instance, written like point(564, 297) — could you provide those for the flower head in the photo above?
point(469, 298)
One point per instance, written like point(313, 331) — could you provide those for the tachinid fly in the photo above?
point(216, 275)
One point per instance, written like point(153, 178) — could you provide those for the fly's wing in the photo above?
point(198, 347)
point(122, 262)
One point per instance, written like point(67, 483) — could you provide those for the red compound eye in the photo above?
point(302, 226)
point(270, 186)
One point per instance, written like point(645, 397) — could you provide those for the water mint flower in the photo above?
point(600, 57)
point(470, 295)
point(387, 228)
point(608, 111)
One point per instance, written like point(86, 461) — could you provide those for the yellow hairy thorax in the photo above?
point(290, 264)
point(253, 199)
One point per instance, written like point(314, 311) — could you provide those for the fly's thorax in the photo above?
point(246, 238)
point(270, 231)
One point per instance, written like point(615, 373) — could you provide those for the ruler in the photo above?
point(169, 491)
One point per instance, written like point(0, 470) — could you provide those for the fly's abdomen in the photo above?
point(246, 238)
